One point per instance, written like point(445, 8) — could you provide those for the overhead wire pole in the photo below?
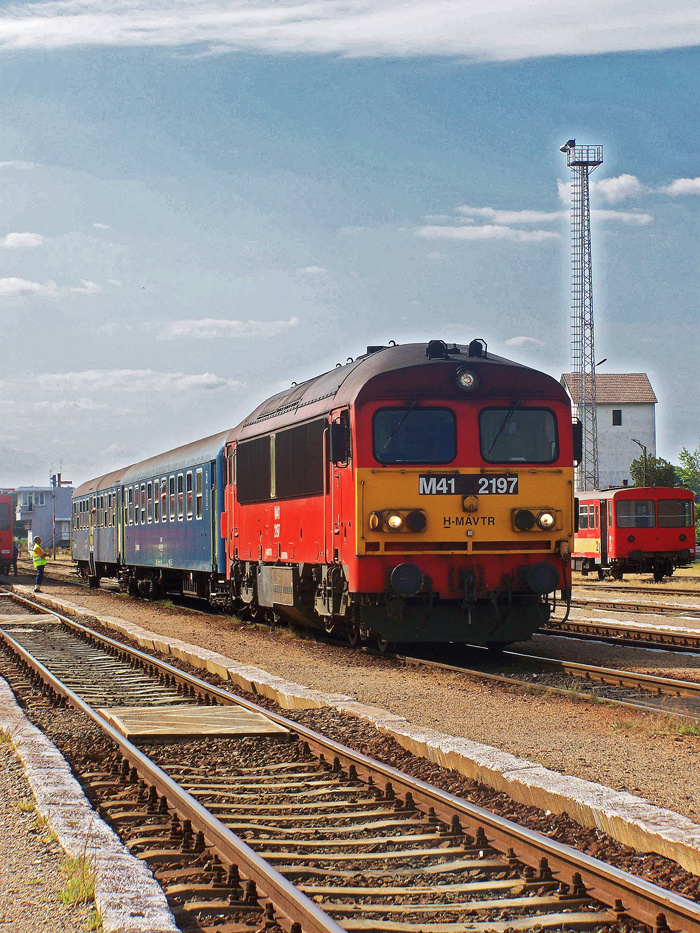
point(582, 160)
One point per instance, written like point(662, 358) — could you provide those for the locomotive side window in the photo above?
point(675, 513)
point(253, 465)
point(5, 514)
point(583, 517)
point(518, 435)
point(635, 513)
point(414, 435)
point(299, 461)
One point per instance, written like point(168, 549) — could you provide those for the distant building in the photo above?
point(624, 410)
point(35, 510)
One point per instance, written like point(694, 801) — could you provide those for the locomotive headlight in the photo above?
point(546, 520)
point(394, 521)
point(466, 379)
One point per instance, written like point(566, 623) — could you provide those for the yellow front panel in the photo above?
point(464, 520)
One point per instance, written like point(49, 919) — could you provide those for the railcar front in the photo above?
point(635, 529)
point(94, 528)
point(6, 534)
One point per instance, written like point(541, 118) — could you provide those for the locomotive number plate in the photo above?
point(490, 484)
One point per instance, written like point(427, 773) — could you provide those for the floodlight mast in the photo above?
point(582, 160)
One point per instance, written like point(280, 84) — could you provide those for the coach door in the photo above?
point(341, 506)
point(603, 505)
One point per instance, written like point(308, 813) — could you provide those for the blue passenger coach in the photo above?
point(155, 524)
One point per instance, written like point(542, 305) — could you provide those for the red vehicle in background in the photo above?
point(6, 539)
point(634, 529)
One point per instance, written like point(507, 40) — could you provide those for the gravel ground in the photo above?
point(628, 751)
point(30, 862)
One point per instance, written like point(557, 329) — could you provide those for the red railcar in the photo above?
point(415, 494)
point(634, 529)
point(6, 538)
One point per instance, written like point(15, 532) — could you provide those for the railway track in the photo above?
point(618, 605)
point(276, 827)
point(653, 589)
point(629, 689)
point(630, 634)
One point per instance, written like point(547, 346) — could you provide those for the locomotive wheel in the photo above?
point(385, 646)
point(353, 635)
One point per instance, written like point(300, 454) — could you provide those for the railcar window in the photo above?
point(414, 435)
point(198, 492)
point(518, 435)
point(164, 500)
point(583, 518)
point(156, 501)
point(180, 497)
point(188, 492)
point(149, 503)
point(674, 513)
point(143, 503)
point(171, 489)
point(130, 504)
point(635, 513)
point(5, 516)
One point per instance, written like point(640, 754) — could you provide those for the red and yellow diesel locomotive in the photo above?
point(416, 494)
point(634, 529)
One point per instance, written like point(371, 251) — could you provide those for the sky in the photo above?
point(202, 202)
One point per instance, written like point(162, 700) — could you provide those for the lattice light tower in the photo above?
point(582, 160)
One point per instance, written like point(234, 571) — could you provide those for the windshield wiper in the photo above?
point(391, 436)
point(509, 415)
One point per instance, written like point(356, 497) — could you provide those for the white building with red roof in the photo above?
point(625, 410)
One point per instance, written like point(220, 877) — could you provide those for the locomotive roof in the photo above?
point(342, 385)
point(187, 455)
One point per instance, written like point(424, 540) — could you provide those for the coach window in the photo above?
point(180, 498)
point(113, 509)
point(143, 503)
point(130, 505)
point(149, 503)
point(156, 500)
point(617, 417)
point(414, 435)
point(597, 516)
point(583, 517)
point(198, 492)
point(635, 513)
point(171, 498)
point(164, 500)
point(518, 435)
point(675, 513)
point(188, 497)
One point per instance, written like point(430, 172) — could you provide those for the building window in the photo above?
point(617, 417)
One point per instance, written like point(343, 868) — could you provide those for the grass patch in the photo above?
point(26, 806)
point(80, 881)
point(5, 737)
point(627, 725)
point(688, 729)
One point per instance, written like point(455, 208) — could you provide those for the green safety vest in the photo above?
point(39, 559)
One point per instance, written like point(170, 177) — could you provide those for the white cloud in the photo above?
point(510, 217)
point(210, 328)
point(487, 232)
point(101, 226)
point(19, 165)
point(623, 217)
point(502, 30)
point(681, 186)
point(21, 241)
point(130, 381)
point(613, 190)
point(13, 287)
point(523, 341)
point(314, 270)
point(87, 288)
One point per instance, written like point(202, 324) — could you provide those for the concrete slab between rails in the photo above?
point(126, 895)
point(630, 820)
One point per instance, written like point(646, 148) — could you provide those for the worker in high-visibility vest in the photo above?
point(39, 558)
